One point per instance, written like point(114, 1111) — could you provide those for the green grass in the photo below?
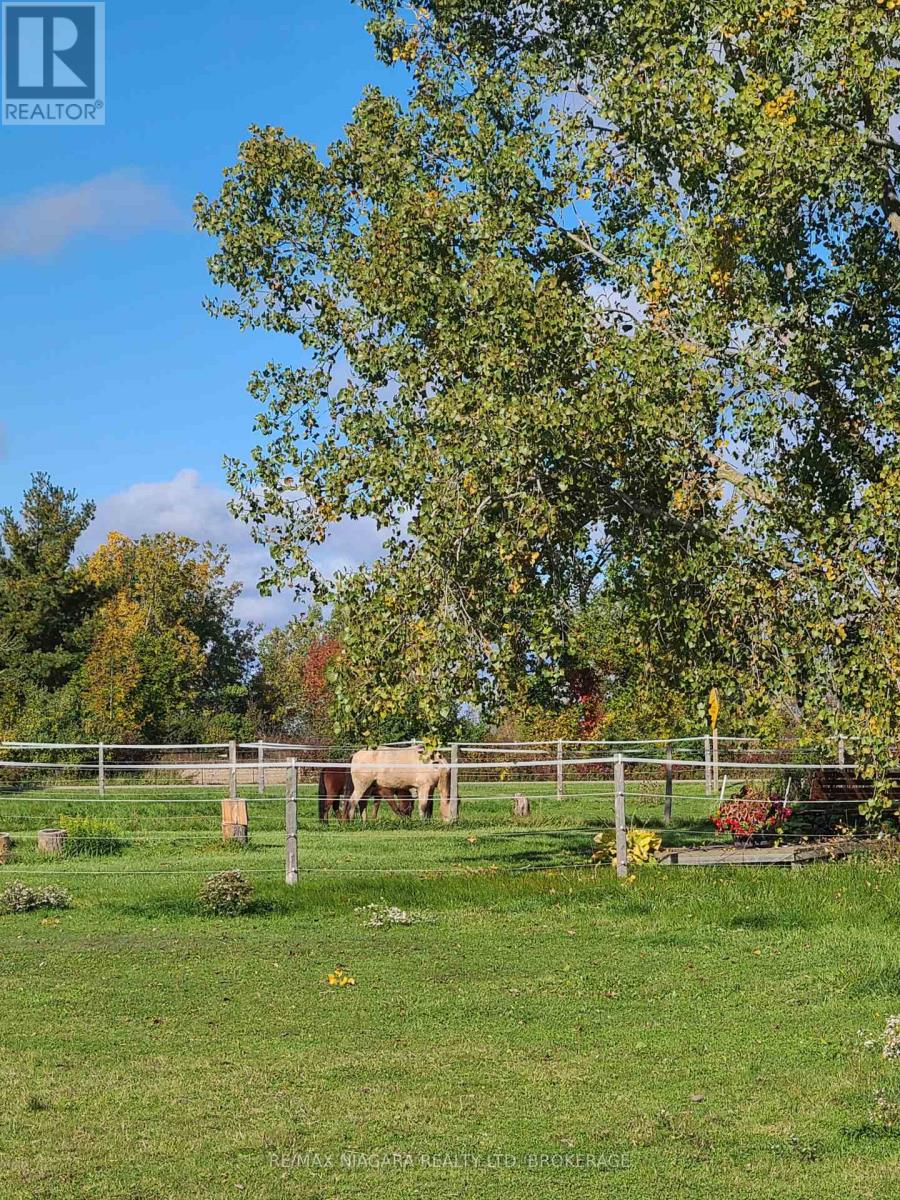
point(696, 1032)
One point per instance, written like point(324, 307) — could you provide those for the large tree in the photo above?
point(44, 595)
point(614, 293)
point(167, 658)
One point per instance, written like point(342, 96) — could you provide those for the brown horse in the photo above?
point(336, 784)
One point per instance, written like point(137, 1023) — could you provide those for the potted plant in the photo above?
point(755, 817)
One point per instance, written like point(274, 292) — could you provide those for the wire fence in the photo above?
point(168, 809)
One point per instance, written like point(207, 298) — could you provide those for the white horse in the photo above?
point(402, 767)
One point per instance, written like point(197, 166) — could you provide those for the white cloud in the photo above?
point(119, 204)
point(189, 506)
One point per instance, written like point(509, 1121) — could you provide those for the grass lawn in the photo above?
point(693, 1033)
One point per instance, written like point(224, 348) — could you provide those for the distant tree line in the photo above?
point(138, 641)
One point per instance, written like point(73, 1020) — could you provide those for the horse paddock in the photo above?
point(517, 1020)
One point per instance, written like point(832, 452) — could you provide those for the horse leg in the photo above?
point(371, 792)
point(346, 793)
point(352, 803)
point(361, 787)
point(449, 810)
point(426, 803)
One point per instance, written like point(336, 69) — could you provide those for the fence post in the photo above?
point(670, 775)
point(454, 779)
point(232, 771)
point(291, 873)
point(559, 769)
point(101, 770)
point(707, 756)
point(715, 760)
point(261, 770)
point(621, 830)
point(842, 750)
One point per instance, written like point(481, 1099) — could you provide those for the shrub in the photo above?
point(18, 897)
point(54, 897)
point(752, 814)
point(91, 837)
point(226, 894)
point(642, 846)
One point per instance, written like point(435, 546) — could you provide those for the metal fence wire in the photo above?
point(165, 802)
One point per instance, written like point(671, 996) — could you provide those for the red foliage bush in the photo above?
point(751, 813)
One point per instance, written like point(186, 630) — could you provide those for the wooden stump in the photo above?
point(5, 847)
point(51, 841)
point(521, 805)
point(234, 831)
point(235, 820)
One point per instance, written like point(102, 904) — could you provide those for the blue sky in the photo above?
point(115, 380)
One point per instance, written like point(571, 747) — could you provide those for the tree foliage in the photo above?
point(613, 297)
point(137, 642)
point(292, 688)
point(44, 596)
point(166, 650)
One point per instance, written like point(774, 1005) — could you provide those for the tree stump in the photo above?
point(5, 847)
point(521, 805)
point(234, 831)
point(51, 841)
point(235, 820)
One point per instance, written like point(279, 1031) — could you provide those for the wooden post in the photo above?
point(621, 829)
point(291, 873)
point(559, 768)
point(101, 770)
point(842, 750)
point(707, 756)
point(5, 847)
point(261, 770)
point(715, 760)
point(454, 780)
point(670, 776)
point(235, 823)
